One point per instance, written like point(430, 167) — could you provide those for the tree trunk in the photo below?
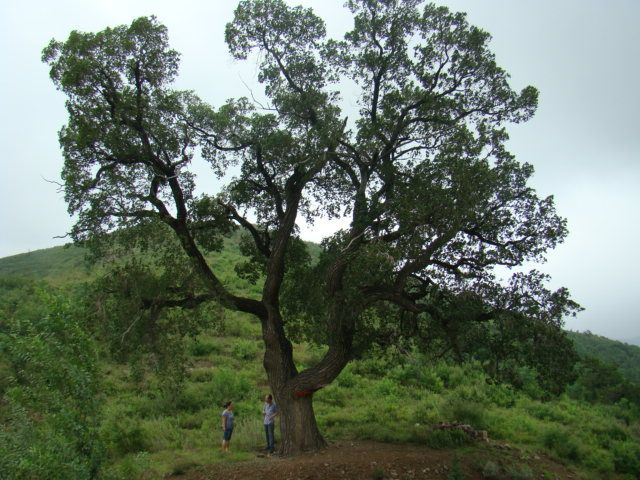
point(298, 429)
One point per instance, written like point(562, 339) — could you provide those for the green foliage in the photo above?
point(228, 385)
point(604, 383)
point(464, 411)
point(563, 444)
point(447, 439)
point(456, 470)
point(59, 265)
point(435, 199)
point(122, 433)
point(49, 409)
point(626, 457)
point(201, 347)
point(245, 349)
point(610, 352)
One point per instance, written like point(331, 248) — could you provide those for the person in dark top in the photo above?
point(227, 425)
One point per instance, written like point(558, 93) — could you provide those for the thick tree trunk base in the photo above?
point(298, 427)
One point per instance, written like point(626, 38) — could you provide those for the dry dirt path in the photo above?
point(371, 460)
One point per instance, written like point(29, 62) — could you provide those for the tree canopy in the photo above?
point(435, 201)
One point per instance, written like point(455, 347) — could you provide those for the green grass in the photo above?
point(59, 265)
point(360, 406)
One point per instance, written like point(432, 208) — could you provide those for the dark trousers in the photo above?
point(269, 430)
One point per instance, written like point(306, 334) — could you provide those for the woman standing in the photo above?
point(227, 425)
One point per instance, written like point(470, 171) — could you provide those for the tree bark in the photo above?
point(298, 428)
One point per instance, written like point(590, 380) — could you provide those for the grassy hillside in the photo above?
point(624, 356)
point(148, 428)
point(57, 264)
point(63, 265)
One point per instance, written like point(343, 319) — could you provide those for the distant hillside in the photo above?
point(56, 264)
point(60, 265)
point(626, 357)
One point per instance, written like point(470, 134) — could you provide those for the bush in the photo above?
point(202, 347)
point(123, 434)
point(447, 438)
point(130, 467)
point(190, 422)
point(626, 458)
point(386, 388)
point(228, 385)
point(347, 379)
point(50, 404)
point(244, 349)
point(201, 375)
point(562, 444)
point(598, 460)
point(466, 412)
point(239, 325)
point(501, 395)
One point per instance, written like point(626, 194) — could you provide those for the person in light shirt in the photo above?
point(269, 412)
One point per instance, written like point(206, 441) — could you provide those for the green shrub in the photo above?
point(386, 388)
point(562, 443)
point(447, 438)
point(50, 406)
point(244, 349)
point(131, 467)
point(201, 375)
point(190, 421)
point(228, 385)
point(239, 325)
point(333, 395)
point(376, 364)
point(501, 395)
point(598, 460)
point(466, 412)
point(123, 434)
point(550, 412)
point(456, 470)
point(347, 379)
point(626, 457)
point(202, 347)
point(192, 398)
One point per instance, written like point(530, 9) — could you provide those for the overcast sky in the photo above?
point(584, 141)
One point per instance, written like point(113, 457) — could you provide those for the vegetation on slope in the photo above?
point(75, 414)
point(611, 352)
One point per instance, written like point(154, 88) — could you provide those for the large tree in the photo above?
point(434, 200)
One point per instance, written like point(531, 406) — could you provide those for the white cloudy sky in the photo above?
point(583, 55)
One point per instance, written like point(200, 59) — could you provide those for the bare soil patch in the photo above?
point(372, 460)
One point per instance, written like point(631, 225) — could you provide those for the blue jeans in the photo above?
point(269, 430)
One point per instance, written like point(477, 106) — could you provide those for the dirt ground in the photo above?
point(378, 461)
